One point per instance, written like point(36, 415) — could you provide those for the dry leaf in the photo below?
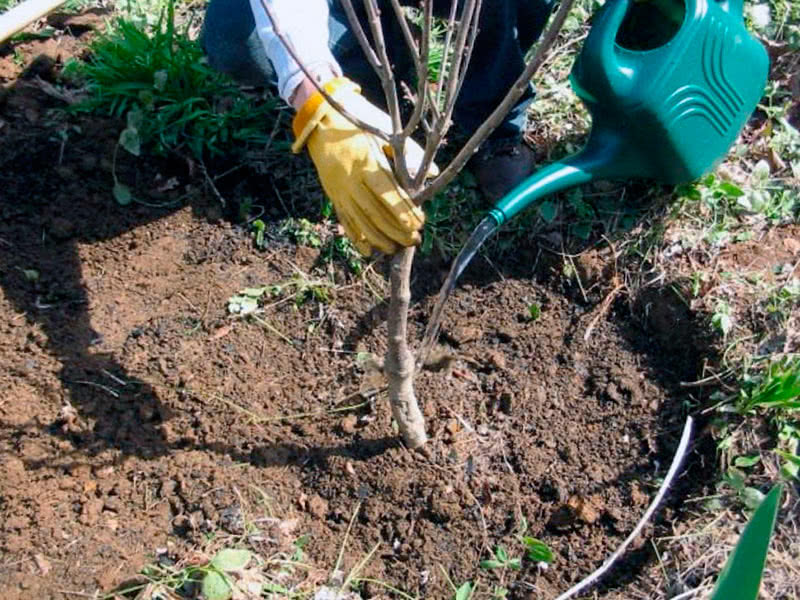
point(42, 563)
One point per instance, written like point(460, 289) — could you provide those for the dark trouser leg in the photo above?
point(507, 29)
point(232, 45)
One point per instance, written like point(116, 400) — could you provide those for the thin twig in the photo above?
point(420, 57)
point(467, 23)
point(713, 379)
point(385, 70)
point(473, 35)
point(499, 113)
point(453, 80)
point(690, 593)
point(105, 388)
point(448, 42)
point(673, 471)
point(211, 183)
point(604, 306)
point(361, 36)
point(346, 535)
point(388, 83)
point(110, 375)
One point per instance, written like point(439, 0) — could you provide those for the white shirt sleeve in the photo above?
point(305, 24)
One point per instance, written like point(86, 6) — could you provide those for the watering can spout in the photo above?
point(555, 177)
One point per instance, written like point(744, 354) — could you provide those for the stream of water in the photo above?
point(484, 229)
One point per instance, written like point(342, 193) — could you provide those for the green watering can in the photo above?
point(668, 85)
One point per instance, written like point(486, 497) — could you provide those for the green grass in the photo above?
point(740, 579)
point(156, 77)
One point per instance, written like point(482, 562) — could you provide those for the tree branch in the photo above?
point(468, 21)
point(448, 41)
point(468, 24)
point(420, 58)
point(388, 82)
point(497, 116)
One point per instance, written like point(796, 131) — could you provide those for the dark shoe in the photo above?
point(499, 165)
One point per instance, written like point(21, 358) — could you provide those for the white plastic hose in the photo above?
point(22, 15)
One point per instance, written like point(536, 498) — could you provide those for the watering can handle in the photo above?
point(599, 55)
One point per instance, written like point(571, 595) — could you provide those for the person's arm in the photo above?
point(305, 24)
point(374, 211)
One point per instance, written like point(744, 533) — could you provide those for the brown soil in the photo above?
point(136, 415)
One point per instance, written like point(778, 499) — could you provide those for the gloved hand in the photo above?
point(375, 212)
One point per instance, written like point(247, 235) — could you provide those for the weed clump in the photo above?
point(158, 75)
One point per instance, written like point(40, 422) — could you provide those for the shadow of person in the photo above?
point(59, 225)
point(56, 207)
point(53, 201)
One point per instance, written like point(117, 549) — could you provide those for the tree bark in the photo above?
point(399, 361)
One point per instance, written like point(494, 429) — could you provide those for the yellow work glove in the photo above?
point(375, 212)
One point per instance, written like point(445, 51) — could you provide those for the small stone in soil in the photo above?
point(349, 424)
point(496, 359)
point(317, 506)
point(463, 335)
point(584, 509)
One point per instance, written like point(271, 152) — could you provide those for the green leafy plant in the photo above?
point(777, 388)
point(534, 311)
point(258, 227)
point(735, 479)
point(157, 78)
point(464, 591)
point(301, 288)
point(537, 550)
point(784, 300)
point(216, 583)
point(302, 232)
point(791, 465)
point(721, 320)
point(342, 249)
point(740, 578)
point(501, 560)
point(246, 301)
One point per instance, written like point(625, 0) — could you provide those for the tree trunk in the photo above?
point(399, 361)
